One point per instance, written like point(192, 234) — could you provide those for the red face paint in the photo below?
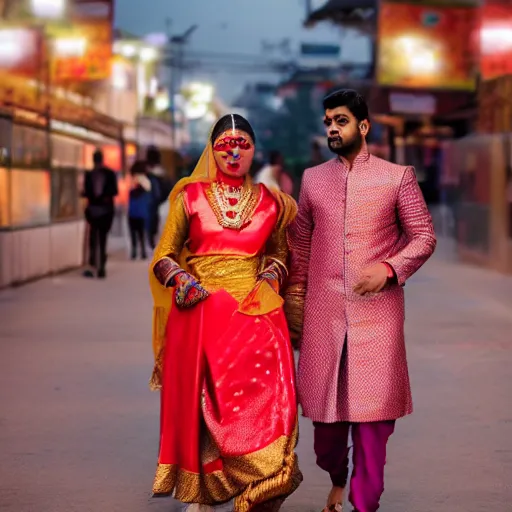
point(234, 152)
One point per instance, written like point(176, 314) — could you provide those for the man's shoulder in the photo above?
point(387, 166)
point(319, 170)
point(109, 172)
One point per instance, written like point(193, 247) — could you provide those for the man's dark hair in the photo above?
point(153, 156)
point(97, 157)
point(274, 157)
point(349, 98)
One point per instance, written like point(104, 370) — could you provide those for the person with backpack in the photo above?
point(139, 208)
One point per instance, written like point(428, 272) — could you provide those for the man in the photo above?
point(362, 230)
point(100, 189)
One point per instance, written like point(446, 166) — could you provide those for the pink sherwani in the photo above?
point(350, 219)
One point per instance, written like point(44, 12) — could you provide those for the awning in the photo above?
point(344, 11)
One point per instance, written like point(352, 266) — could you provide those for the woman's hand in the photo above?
point(188, 292)
point(272, 281)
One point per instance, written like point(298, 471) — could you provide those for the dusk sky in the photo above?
point(232, 26)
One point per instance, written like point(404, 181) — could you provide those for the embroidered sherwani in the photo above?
point(352, 364)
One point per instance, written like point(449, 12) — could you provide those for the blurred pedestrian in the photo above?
point(362, 230)
point(161, 187)
point(139, 208)
point(316, 154)
point(100, 189)
point(273, 174)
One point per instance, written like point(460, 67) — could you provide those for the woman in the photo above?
point(223, 358)
point(138, 207)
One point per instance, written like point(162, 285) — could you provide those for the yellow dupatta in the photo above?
point(263, 299)
point(204, 172)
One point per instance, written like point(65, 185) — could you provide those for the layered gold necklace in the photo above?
point(233, 206)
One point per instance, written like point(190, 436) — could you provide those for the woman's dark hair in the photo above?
point(138, 167)
point(226, 122)
point(275, 157)
point(153, 155)
point(349, 98)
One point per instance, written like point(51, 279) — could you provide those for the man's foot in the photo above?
point(335, 500)
point(134, 255)
point(88, 273)
point(101, 273)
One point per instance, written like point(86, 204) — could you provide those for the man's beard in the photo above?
point(341, 148)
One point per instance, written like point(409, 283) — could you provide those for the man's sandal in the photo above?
point(335, 507)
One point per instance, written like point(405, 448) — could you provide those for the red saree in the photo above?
point(228, 404)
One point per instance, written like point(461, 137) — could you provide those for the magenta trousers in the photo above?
point(368, 457)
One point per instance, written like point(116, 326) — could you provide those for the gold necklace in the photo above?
point(232, 206)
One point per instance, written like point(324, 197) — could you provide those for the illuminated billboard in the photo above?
point(422, 46)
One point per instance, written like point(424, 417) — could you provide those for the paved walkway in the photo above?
point(78, 426)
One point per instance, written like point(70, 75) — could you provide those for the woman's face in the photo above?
point(233, 151)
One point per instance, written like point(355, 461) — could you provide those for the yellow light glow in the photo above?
point(148, 54)
point(128, 50)
point(201, 92)
point(422, 56)
point(119, 76)
point(70, 46)
point(162, 102)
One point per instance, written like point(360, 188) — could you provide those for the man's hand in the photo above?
point(373, 279)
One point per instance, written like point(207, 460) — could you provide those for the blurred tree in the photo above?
point(294, 127)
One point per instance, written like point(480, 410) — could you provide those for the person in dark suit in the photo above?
point(100, 189)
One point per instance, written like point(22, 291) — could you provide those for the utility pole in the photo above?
point(176, 52)
point(172, 92)
point(309, 8)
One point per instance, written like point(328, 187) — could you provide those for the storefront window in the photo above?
point(29, 147)
point(5, 140)
point(67, 153)
point(67, 164)
point(30, 197)
point(4, 198)
point(112, 156)
point(64, 194)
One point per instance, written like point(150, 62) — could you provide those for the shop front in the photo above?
point(42, 164)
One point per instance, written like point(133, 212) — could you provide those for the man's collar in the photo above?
point(361, 157)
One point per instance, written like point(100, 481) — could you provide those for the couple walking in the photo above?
point(239, 274)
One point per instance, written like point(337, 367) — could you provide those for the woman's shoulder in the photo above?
point(286, 205)
point(185, 187)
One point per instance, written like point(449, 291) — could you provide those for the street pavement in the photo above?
point(79, 427)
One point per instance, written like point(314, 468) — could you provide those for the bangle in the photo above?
point(166, 270)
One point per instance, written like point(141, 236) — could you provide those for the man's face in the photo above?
point(233, 151)
point(345, 134)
